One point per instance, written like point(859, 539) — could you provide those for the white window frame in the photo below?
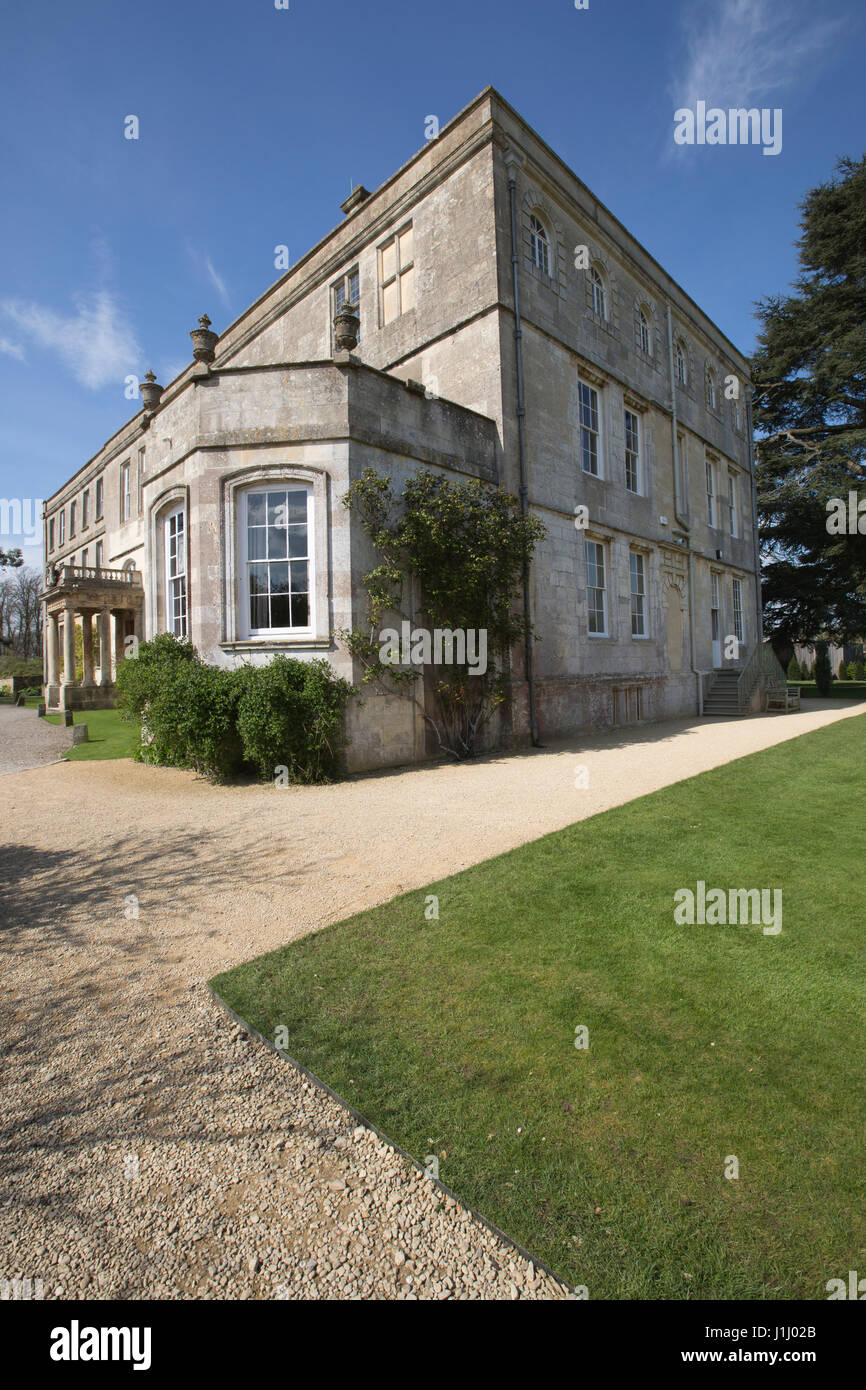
point(632, 455)
point(711, 492)
point(591, 430)
point(737, 609)
point(592, 558)
point(175, 573)
point(125, 492)
point(732, 505)
point(539, 244)
point(140, 489)
point(246, 631)
point(638, 593)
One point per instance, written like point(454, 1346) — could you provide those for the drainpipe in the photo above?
point(521, 437)
point(678, 501)
point(680, 515)
point(692, 649)
point(759, 610)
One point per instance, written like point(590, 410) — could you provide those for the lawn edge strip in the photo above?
point(385, 1138)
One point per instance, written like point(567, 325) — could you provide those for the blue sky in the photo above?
point(254, 123)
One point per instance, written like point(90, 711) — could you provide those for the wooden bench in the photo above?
point(784, 697)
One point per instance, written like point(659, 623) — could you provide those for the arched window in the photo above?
point(644, 336)
point(711, 388)
point(682, 368)
point(175, 572)
point(599, 294)
point(539, 244)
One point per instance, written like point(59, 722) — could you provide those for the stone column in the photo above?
point(105, 647)
point(87, 646)
point(53, 633)
point(119, 652)
point(69, 646)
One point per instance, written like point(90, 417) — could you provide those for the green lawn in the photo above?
point(456, 1036)
point(108, 735)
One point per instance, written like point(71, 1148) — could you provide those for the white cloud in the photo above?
point(202, 259)
point(11, 349)
point(96, 343)
point(744, 52)
point(217, 281)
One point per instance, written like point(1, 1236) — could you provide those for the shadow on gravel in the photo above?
point(90, 977)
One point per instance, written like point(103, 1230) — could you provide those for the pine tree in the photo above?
point(810, 415)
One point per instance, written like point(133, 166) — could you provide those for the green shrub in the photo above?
point(794, 672)
point(141, 678)
point(290, 714)
point(287, 713)
point(823, 671)
point(859, 671)
point(192, 721)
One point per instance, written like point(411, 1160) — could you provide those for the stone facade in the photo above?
point(617, 364)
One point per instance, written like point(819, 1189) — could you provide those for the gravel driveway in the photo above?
point(27, 742)
point(147, 1149)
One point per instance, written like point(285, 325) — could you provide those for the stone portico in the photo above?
point(74, 596)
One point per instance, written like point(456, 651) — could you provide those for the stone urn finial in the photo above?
point(203, 341)
point(346, 326)
point(151, 391)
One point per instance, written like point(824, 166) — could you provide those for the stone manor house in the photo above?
point(481, 313)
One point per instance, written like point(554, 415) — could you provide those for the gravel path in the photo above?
point(27, 742)
point(147, 1148)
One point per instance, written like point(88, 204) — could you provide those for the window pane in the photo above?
point(256, 542)
point(407, 291)
point(300, 610)
point(277, 542)
point(297, 542)
point(259, 611)
point(339, 297)
point(296, 506)
point(354, 288)
point(407, 246)
point(299, 571)
point(256, 508)
point(280, 610)
point(276, 508)
point(389, 261)
point(258, 579)
point(279, 576)
point(389, 302)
